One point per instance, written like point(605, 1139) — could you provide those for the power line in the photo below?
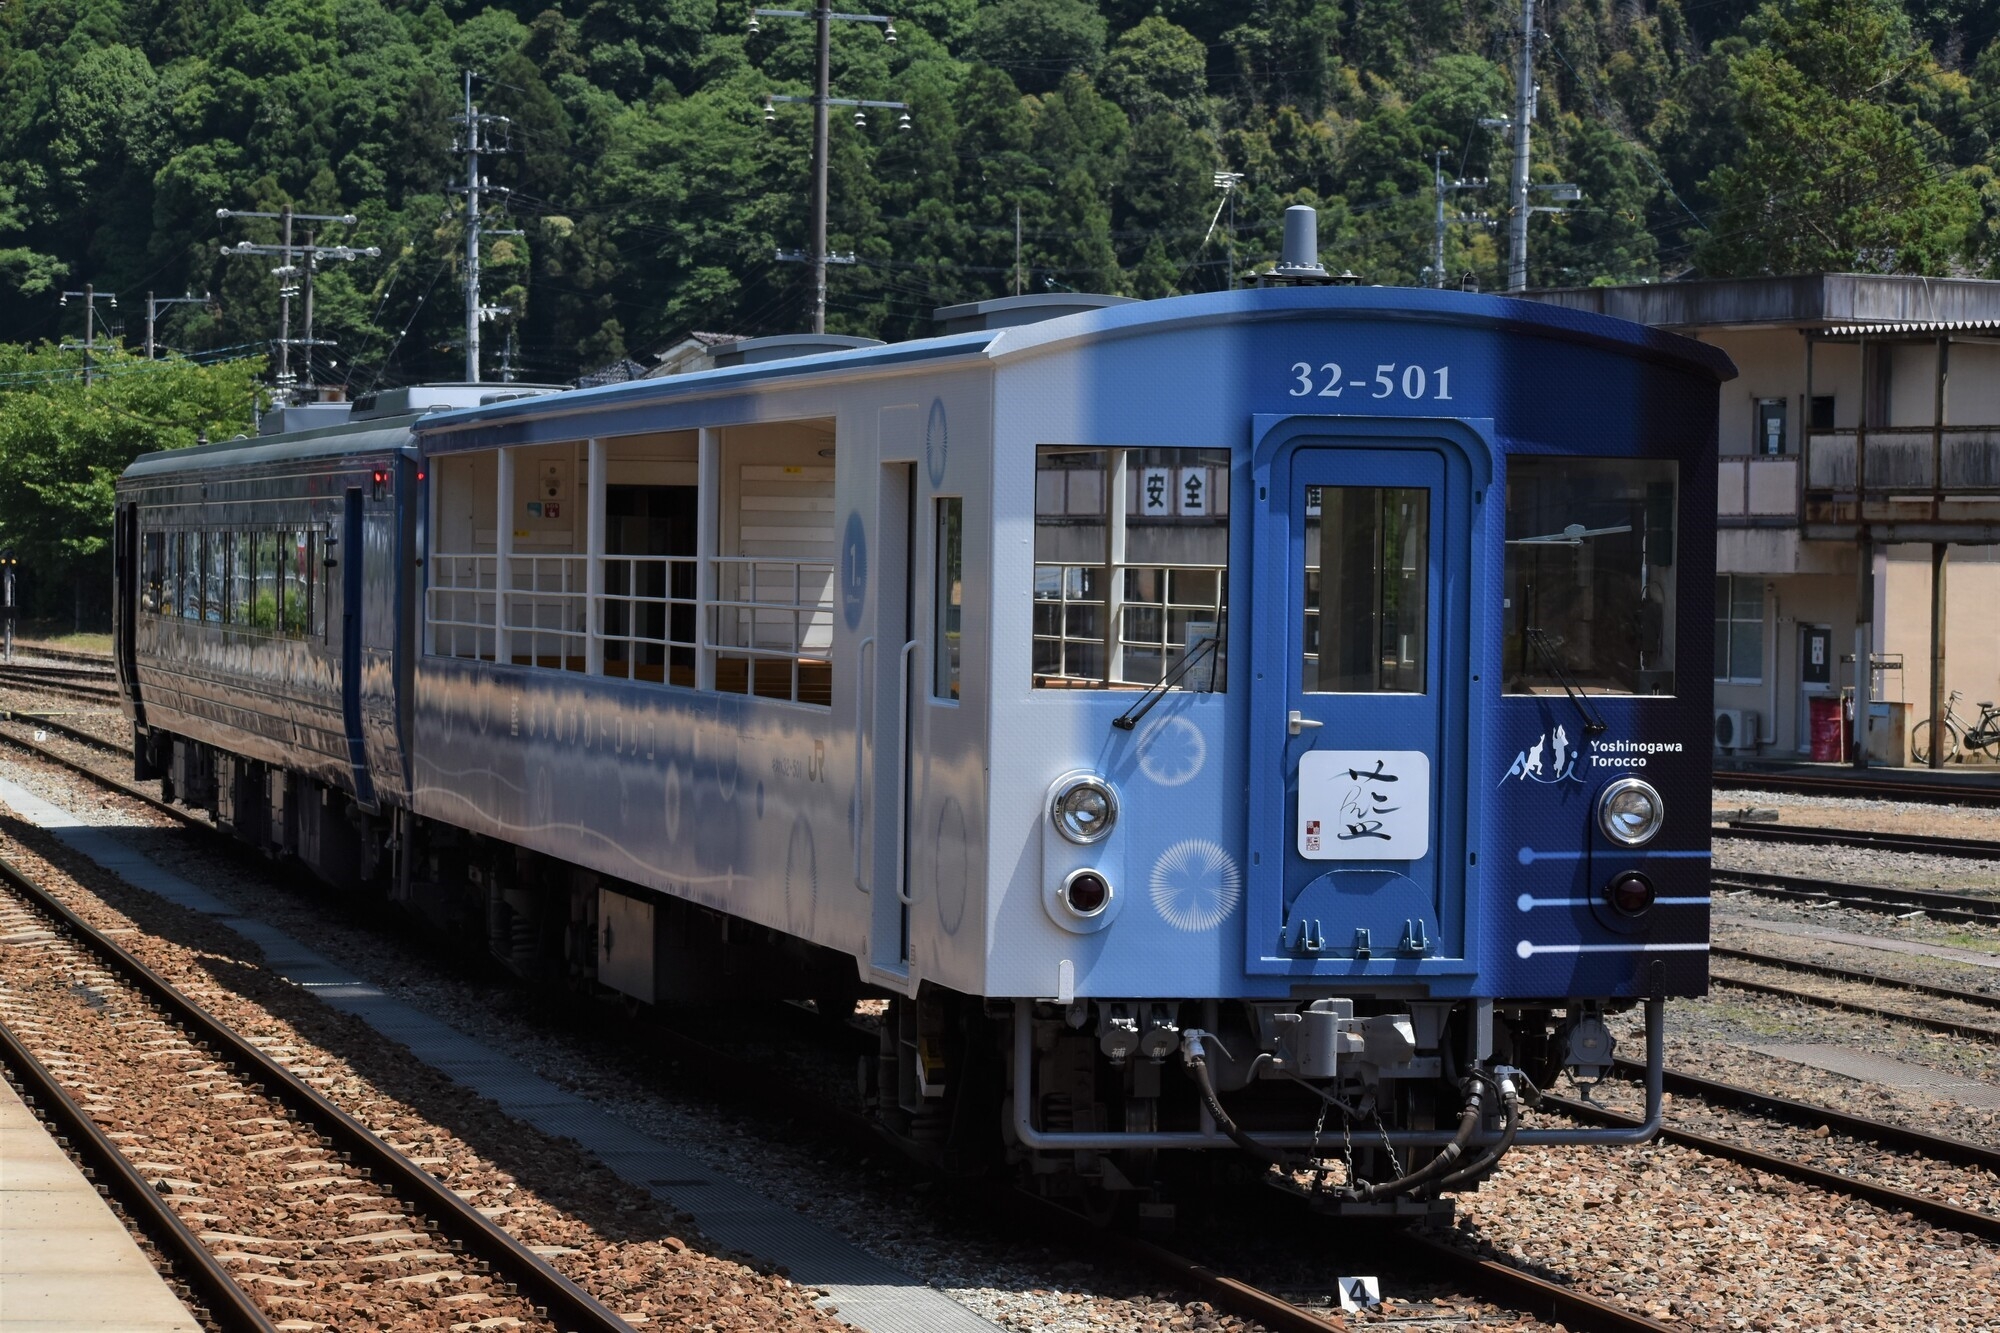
point(288, 272)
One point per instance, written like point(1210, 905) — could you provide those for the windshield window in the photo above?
point(1590, 575)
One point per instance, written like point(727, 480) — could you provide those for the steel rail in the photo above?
point(1815, 836)
point(1806, 1115)
point(186, 816)
point(1866, 897)
point(567, 1304)
point(1951, 1027)
point(47, 722)
point(1498, 1282)
point(1822, 784)
point(76, 689)
point(31, 649)
point(1986, 1000)
point(35, 669)
point(1935, 1211)
point(216, 1298)
point(1537, 1295)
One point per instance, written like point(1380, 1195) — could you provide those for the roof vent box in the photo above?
point(302, 416)
point(785, 346)
point(418, 398)
point(1008, 312)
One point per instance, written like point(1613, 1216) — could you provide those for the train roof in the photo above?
point(359, 437)
point(489, 425)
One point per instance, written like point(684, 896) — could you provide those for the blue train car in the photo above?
point(1213, 722)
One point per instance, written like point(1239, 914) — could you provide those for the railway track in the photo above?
point(45, 721)
point(75, 682)
point(403, 1204)
point(1492, 1280)
point(1932, 1022)
point(1798, 834)
point(79, 656)
point(1812, 1118)
point(1822, 784)
point(1935, 903)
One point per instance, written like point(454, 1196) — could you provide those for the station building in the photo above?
point(1858, 501)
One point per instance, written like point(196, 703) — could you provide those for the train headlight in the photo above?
point(1084, 808)
point(1630, 812)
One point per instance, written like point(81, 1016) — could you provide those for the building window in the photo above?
point(1822, 412)
point(1131, 567)
point(1739, 630)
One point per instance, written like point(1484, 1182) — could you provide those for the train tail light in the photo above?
point(1630, 893)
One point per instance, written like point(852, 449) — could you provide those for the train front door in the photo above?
point(1354, 764)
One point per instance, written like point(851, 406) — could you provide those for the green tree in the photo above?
point(1832, 175)
point(63, 444)
point(1037, 42)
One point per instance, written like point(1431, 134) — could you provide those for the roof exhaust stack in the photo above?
point(1299, 266)
point(1301, 256)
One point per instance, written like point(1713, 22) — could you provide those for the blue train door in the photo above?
point(1354, 761)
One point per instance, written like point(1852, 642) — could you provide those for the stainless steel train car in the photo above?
point(1269, 722)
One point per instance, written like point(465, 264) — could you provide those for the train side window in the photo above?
point(1590, 588)
point(1131, 567)
point(238, 575)
point(948, 624)
point(264, 581)
point(152, 572)
point(215, 577)
point(294, 583)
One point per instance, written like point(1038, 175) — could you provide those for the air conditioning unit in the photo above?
point(1735, 729)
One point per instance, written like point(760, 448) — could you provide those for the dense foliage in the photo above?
point(1721, 136)
point(65, 437)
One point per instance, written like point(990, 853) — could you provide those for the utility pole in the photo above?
point(1228, 182)
point(89, 343)
point(477, 140)
point(153, 305)
point(1442, 187)
point(1526, 95)
point(1524, 118)
point(287, 273)
point(822, 101)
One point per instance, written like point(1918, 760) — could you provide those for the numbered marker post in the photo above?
point(1360, 1293)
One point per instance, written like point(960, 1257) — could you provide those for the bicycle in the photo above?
point(1982, 736)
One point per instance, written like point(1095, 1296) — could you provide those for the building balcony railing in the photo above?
point(1914, 484)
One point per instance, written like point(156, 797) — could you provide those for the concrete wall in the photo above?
point(1972, 636)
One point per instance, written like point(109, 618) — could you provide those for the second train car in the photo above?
point(1260, 721)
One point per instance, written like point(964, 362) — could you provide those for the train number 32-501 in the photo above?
point(1412, 382)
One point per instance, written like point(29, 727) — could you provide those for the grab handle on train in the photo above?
point(861, 653)
point(1296, 722)
point(903, 759)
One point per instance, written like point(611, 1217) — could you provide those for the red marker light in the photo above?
point(1631, 892)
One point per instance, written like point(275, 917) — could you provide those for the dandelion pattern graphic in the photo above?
point(1196, 885)
point(1172, 751)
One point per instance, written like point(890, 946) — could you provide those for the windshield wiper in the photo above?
point(1154, 693)
point(1593, 725)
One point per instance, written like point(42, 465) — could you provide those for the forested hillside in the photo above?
point(1715, 136)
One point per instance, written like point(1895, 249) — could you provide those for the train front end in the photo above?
point(1349, 761)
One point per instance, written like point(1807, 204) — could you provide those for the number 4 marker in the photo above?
point(1360, 1293)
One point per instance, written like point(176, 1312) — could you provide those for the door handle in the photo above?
point(861, 739)
point(1295, 723)
point(904, 894)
